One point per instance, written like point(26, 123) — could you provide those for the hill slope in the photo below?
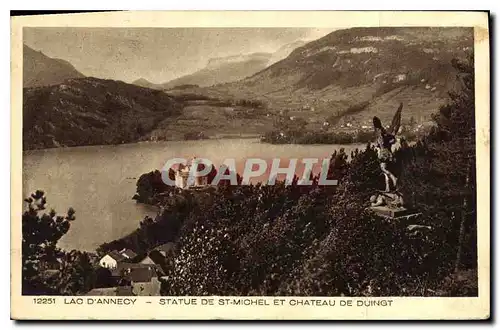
point(41, 70)
point(223, 70)
point(91, 111)
point(285, 50)
point(378, 66)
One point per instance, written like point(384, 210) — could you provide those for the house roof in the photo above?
point(113, 291)
point(125, 265)
point(116, 255)
point(167, 247)
point(147, 260)
point(124, 291)
point(138, 272)
point(142, 274)
point(146, 289)
point(128, 253)
point(122, 254)
point(157, 257)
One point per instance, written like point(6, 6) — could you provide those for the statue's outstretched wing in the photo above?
point(377, 124)
point(396, 121)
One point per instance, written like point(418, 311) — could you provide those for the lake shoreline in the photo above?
point(224, 137)
point(97, 181)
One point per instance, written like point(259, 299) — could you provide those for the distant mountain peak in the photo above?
point(223, 70)
point(141, 80)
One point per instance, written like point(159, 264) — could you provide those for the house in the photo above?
point(145, 282)
point(161, 260)
point(125, 268)
point(160, 257)
point(154, 257)
point(128, 254)
point(112, 259)
point(166, 249)
point(143, 278)
point(113, 291)
point(147, 261)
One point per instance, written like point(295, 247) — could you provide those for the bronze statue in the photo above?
point(387, 199)
point(385, 140)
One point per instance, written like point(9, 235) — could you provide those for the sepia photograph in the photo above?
point(249, 162)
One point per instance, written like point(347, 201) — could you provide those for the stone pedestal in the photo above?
point(390, 212)
point(400, 213)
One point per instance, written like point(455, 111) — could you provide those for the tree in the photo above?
point(41, 232)
point(47, 269)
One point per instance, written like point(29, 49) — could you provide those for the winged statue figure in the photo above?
point(385, 139)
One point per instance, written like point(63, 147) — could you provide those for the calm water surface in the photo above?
point(99, 181)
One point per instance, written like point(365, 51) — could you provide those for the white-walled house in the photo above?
point(112, 259)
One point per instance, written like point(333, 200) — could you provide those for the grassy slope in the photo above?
point(332, 74)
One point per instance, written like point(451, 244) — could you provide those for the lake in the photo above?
point(99, 181)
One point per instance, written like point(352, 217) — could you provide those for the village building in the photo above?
point(166, 249)
point(136, 275)
point(145, 282)
point(158, 254)
point(143, 278)
point(147, 260)
point(127, 253)
point(111, 259)
point(120, 291)
point(154, 257)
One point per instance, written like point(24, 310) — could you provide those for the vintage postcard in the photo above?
point(313, 165)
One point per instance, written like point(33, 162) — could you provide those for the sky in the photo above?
point(156, 54)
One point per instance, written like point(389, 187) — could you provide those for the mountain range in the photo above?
point(376, 67)
point(350, 74)
point(226, 69)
